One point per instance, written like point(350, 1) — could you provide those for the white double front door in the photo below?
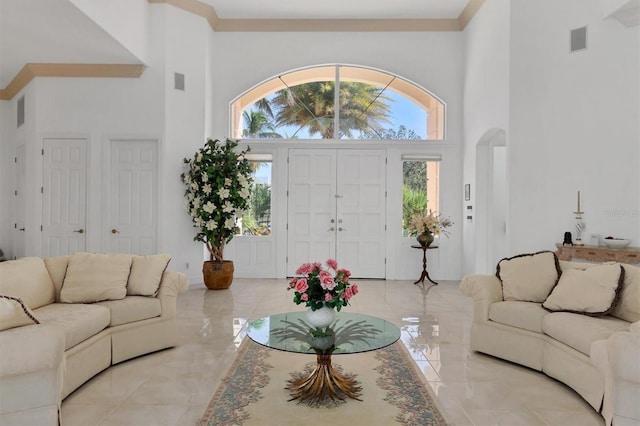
point(337, 209)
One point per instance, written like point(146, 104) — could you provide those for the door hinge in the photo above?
point(42, 151)
point(42, 189)
point(15, 226)
point(41, 228)
point(15, 192)
point(15, 160)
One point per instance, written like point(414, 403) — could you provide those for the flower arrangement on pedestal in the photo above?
point(429, 225)
point(218, 181)
point(319, 287)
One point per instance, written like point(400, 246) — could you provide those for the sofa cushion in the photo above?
point(77, 321)
point(628, 306)
point(592, 291)
point(132, 308)
point(146, 274)
point(528, 277)
point(525, 315)
point(580, 331)
point(95, 277)
point(28, 280)
point(14, 313)
point(57, 267)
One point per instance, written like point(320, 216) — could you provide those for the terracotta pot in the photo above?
point(217, 275)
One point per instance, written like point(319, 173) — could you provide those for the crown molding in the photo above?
point(33, 70)
point(324, 25)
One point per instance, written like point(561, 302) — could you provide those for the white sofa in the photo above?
point(597, 356)
point(64, 319)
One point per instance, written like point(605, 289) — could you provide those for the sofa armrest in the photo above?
point(172, 284)
point(30, 349)
point(484, 290)
point(32, 366)
point(623, 354)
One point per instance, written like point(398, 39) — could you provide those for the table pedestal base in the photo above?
point(323, 383)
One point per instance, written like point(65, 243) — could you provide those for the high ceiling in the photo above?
point(56, 31)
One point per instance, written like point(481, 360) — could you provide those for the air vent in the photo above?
point(21, 111)
point(579, 39)
point(178, 81)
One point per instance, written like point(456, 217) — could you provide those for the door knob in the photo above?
point(333, 220)
point(331, 229)
point(79, 231)
point(341, 229)
point(115, 231)
point(21, 229)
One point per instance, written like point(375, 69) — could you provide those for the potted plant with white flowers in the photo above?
point(218, 180)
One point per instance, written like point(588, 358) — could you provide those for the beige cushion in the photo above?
point(146, 274)
point(14, 313)
point(57, 267)
point(580, 331)
point(528, 277)
point(628, 306)
point(28, 280)
point(77, 321)
point(525, 315)
point(95, 277)
point(132, 308)
point(591, 291)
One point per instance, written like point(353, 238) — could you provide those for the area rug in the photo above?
point(253, 391)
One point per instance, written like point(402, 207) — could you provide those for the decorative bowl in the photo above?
point(616, 242)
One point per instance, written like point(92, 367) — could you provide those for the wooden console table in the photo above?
point(599, 253)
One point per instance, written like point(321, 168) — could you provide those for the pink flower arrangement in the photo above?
point(317, 286)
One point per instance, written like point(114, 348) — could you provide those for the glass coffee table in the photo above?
point(350, 333)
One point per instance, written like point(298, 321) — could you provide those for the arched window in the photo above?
point(368, 104)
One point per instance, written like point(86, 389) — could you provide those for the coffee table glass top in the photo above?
point(350, 333)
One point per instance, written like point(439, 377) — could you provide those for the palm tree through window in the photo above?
point(337, 102)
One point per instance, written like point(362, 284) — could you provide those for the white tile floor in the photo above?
point(173, 387)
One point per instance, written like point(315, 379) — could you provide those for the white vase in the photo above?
point(322, 317)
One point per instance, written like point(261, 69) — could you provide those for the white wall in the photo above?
point(486, 112)
point(573, 124)
point(186, 41)
point(125, 20)
point(6, 178)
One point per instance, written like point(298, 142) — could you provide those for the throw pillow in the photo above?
point(528, 277)
point(628, 307)
point(28, 280)
point(592, 291)
point(95, 277)
point(146, 274)
point(14, 313)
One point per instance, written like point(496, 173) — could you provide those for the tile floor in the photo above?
point(173, 387)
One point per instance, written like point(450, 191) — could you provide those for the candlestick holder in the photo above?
point(580, 226)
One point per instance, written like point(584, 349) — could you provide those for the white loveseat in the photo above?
point(596, 353)
point(64, 319)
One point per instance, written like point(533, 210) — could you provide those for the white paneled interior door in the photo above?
point(19, 226)
point(133, 196)
point(337, 209)
point(64, 189)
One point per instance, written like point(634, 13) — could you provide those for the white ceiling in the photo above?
point(337, 9)
point(45, 31)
